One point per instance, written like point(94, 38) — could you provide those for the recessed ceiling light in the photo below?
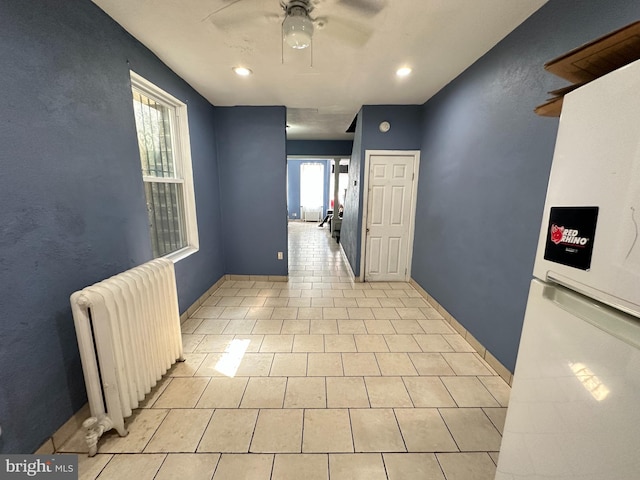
point(403, 72)
point(242, 71)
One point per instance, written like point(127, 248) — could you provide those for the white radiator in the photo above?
point(313, 214)
point(128, 330)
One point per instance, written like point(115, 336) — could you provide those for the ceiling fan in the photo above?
point(298, 25)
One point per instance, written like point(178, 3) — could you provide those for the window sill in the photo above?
point(181, 254)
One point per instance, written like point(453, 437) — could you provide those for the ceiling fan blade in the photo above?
point(349, 31)
point(236, 12)
point(367, 7)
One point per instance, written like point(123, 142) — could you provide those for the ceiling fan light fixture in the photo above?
point(297, 28)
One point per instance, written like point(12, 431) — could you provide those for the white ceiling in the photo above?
point(355, 55)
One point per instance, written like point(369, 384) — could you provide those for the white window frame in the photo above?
point(182, 158)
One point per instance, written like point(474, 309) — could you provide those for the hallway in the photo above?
point(316, 378)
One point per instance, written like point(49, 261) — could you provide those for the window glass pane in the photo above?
point(164, 205)
point(312, 185)
point(153, 126)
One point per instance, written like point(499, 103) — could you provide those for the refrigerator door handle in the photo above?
point(617, 323)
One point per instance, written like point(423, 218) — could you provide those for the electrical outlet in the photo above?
point(280, 255)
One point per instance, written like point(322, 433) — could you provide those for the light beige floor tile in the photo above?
point(208, 312)
point(270, 327)
point(367, 302)
point(359, 466)
point(244, 326)
point(90, 467)
point(387, 392)
point(360, 364)
point(494, 456)
point(335, 313)
point(385, 313)
point(324, 365)
point(255, 365)
point(409, 313)
point(433, 343)
point(471, 429)
point(436, 326)
point(180, 431)
point(191, 466)
point(140, 467)
point(391, 302)
point(275, 301)
point(351, 326)
point(466, 364)
point(407, 326)
point(289, 365)
point(223, 392)
point(229, 302)
point(414, 303)
point(424, 430)
point(402, 343)
point(212, 301)
point(431, 364)
point(326, 431)
point(339, 343)
point(310, 313)
point(302, 466)
point(412, 466)
point(360, 313)
point(355, 294)
point(141, 427)
point(285, 313)
point(189, 367)
point(299, 302)
point(375, 294)
point(230, 430)
point(458, 343)
point(214, 343)
point(182, 392)
point(254, 342)
point(253, 301)
point(465, 466)
point(379, 327)
point(259, 313)
point(190, 341)
point(244, 467)
point(346, 392)
point(370, 343)
point(234, 313)
point(211, 327)
point(278, 431)
point(276, 343)
point(308, 343)
point(497, 417)
point(189, 325)
point(348, 303)
point(323, 327)
point(428, 392)
point(295, 327)
point(498, 388)
point(328, 293)
point(305, 392)
point(375, 430)
point(469, 392)
point(320, 302)
point(395, 364)
point(264, 393)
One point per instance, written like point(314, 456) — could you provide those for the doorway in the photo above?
point(389, 204)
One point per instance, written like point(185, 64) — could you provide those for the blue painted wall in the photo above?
point(330, 148)
point(485, 163)
point(405, 134)
point(293, 186)
point(252, 160)
point(73, 207)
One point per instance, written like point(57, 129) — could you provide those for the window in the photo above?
point(165, 157)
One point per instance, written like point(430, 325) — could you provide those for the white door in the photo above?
point(389, 221)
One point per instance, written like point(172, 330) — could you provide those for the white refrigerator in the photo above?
point(574, 411)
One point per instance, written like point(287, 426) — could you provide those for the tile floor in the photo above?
point(316, 378)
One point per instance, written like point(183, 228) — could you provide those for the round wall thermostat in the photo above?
point(384, 127)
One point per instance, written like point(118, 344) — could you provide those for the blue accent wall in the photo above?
point(331, 148)
point(404, 134)
point(483, 176)
point(73, 206)
point(252, 160)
